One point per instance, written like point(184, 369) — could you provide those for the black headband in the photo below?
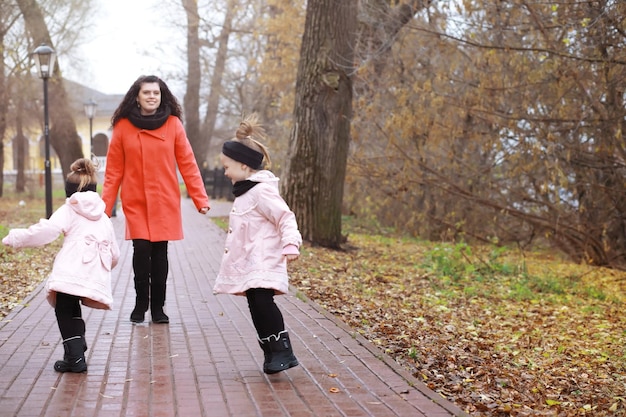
point(72, 187)
point(241, 153)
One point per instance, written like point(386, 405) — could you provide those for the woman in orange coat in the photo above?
point(148, 144)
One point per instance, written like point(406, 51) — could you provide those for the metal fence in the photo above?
point(217, 184)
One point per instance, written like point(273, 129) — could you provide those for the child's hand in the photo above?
point(5, 240)
point(291, 252)
point(291, 257)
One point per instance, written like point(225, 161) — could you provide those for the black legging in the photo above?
point(266, 316)
point(67, 310)
point(150, 265)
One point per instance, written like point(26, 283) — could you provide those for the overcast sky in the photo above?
point(130, 38)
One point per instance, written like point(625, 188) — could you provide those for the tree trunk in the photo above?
point(4, 108)
point(64, 137)
point(319, 141)
point(191, 102)
point(20, 143)
point(216, 78)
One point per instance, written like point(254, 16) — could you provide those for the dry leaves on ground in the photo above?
point(21, 270)
point(546, 338)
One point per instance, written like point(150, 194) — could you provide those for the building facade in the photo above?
point(33, 140)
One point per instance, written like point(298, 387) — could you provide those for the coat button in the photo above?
point(225, 250)
point(230, 230)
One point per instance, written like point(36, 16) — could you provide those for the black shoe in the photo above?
point(75, 365)
point(267, 354)
point(137, 316)
point(281, 353)
point(142, 299)
point(74, 357)
point(160, 317)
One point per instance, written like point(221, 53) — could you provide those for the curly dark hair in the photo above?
point(130, 99)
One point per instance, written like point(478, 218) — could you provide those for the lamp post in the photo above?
point(45, 58)
point(90, 111)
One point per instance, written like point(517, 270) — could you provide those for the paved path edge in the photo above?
point(388, 360)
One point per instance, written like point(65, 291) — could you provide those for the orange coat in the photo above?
point(143, 162)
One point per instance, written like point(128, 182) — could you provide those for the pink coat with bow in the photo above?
point(83, 265)
point(261, 225)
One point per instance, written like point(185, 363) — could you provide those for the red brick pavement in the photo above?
point(206, 362)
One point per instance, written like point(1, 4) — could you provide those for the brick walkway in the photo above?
point(206, 362)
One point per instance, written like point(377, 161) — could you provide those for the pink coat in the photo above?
point(83, 265)
point(261, 225)
point(144, 162)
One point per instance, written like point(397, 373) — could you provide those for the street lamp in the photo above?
point(45, 58)
point(90, 112)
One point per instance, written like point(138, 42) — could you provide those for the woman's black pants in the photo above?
point(150, 266)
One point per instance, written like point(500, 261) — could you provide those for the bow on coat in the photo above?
point(100, 249)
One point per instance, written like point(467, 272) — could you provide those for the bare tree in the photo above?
point(215, 92)
point(63, 133)
point(191, 101)
point(4, 105)
point(8, 16)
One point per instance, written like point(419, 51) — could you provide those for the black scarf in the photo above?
point(151, 122)
point(241, 187)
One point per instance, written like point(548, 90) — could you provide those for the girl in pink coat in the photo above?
point(262, 237)
point(82, 269)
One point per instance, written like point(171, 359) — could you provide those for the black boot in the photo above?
point(267, 353)
point(76, 329)
point(159, 316)
point(142, 297)
point(142, 269)
point(74, 357)
point(282, 356)
point(158, 281)
point(80, 329)
point(158, 287)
